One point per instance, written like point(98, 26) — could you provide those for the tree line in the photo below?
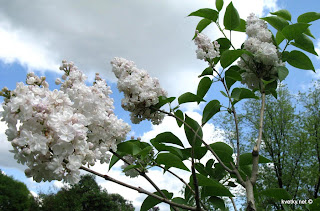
point(85, 195)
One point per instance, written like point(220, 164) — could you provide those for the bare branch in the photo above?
point(139, 189)
point(143, 174)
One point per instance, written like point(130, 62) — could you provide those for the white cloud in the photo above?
point(21, 46)
point(155, 34)
point(7, 158)
point(58, 184)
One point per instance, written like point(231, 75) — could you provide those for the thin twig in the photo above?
point(194, 176)
point(143, 174)
point(184, 182)
point(139, 189)
point(235, 121)
point(233, 203)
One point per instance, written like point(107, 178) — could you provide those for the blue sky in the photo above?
point(36, 35)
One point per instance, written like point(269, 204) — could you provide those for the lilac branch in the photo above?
point(139, 189)
point(143, 174)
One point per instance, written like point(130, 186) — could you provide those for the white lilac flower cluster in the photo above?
point(140, 91)
point(206, 49)
point(265, 53)
point(56, 132)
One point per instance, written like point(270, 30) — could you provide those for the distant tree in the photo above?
point(14, 195)
point(311, 125)
point(291, 140)
point(85, 195)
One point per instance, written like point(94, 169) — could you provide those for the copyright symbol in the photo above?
point(310, 201)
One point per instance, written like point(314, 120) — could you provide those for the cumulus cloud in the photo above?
point(7, 158)
point(155, 34)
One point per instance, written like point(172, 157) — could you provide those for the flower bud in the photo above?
point(58, 81)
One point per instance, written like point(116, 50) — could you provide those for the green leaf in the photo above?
point(223, 93)
point(163, 100)
point(179, 114)
point(218, 172)
point(271, 88)
point(229, 56)
point(305, 43)
point(216, 189)
point(279, 38)
point(241, 27)
point(295, 30)
point(168, 137)
point(202, 25)
point(207, 71)
point(203, 87)
point(206, 13)
point(129, 147)
point(115, 159)
point(232, 75)
point(199, 152)
point(282, 72)
point(150, 201)
point(145, 151)
point(163, 147)
point(170, 160)
point(223, 150)
point(224, 44)
point(179, 200)
point(285, 14)
point(277, 193)
point(129, 167)
point(268, 82)
point(219, 4)
point(245, 171)
point(209, 164)
point(189, 97)
point(231, 18)
point(300, 60)
point(200, 168)
point(246, 159)
point(187, 192)
point(217, 202)
point(242, 93)
point(276, 22)
point(190, 134)
point(210, 110)
point(308, 17)
point(308, 32)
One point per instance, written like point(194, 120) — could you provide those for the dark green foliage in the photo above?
point(86, 195)
point(14, 195)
